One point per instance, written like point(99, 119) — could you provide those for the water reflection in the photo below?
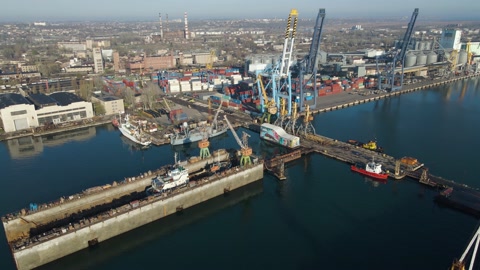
point(27, 147)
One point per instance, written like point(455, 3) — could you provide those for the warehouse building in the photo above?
point(18, 112)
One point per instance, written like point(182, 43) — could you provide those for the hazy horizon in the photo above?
point(146, 10)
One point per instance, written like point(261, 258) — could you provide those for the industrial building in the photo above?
point(20, 112)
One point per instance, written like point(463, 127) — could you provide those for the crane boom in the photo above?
point(234, 133)
point(290, 33)
point(408, 36)
point(312, 58)
point(216, 114)
point(166, 103)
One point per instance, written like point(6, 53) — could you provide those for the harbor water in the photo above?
point(322, 217)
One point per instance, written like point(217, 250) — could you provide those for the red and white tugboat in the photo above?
point(372, 169)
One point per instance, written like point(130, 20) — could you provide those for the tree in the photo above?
point(9, 52)
point(86, 89)
point(128, 96)
point(149, 93)
point(98, 108)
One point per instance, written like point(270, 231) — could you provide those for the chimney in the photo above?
point(161, 26)
point(186, 26)
point(166, 22)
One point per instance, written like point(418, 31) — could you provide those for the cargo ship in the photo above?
point(370, 145)
point(372, 169)
point(278, 135)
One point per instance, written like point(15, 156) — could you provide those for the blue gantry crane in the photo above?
point(309, 65)
point(277, 80)
point(394, 59)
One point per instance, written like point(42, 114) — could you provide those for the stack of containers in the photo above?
point(235, 78)
point(196, 84)
point(360, 83)
point(173, 86)
point(185, 86)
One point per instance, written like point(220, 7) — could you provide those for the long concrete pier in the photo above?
point(61, 241)
point(349, 99)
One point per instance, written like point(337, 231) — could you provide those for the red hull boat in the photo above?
point(372, 169)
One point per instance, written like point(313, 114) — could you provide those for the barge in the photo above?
point(42, 235)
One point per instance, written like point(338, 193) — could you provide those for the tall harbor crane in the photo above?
point(245, 151)
point(271, 107)
point(394, 79)
point(282, 119)
point(460, 264)
point(307, 127)
point(279, 77)
point(291, 124)
point(309, 65)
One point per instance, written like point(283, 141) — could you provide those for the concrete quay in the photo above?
point(355, 97)
point(69, 239)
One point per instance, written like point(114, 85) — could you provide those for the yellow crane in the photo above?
point(269, 103)
point(245, 151)
point(211, 59)
point(307, 127)
point(281, 121)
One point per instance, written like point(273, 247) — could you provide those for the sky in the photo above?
point(127, 10)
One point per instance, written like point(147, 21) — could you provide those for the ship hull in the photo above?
point(195, 137)
point(127, 134)
point(380, 176)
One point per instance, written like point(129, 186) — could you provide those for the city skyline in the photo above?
point(122, 10)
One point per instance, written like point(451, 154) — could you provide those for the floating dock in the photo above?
point(51, 232)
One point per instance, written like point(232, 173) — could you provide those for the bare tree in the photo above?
point(128, 96)
point(150, 92)
point(86, 89)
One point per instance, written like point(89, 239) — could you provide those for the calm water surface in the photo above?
point(323, 216)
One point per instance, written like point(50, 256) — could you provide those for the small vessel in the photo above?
point(115, 122)
point(372, 169)
point(132, 132)
point(175, 177)
point(370, 145)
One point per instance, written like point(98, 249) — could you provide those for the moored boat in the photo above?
point(178, 176)
point(133, 133)
point(372, 169)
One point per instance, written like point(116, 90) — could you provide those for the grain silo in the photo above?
point(410, 59)
point(421, 59)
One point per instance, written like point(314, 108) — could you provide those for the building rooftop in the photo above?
point(107, 97)
point(11, 99)
point(65, 98)
point(42, 100)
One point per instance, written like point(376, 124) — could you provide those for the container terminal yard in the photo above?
point(47, 232)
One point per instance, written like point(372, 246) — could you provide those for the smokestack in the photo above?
point(186, 26)
point(161, 26)
point(166, 22)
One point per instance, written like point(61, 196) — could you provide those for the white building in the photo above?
point(97, 60)
point(60, 107)
point(112, 104)
point(18, 112)
point(451, 39)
